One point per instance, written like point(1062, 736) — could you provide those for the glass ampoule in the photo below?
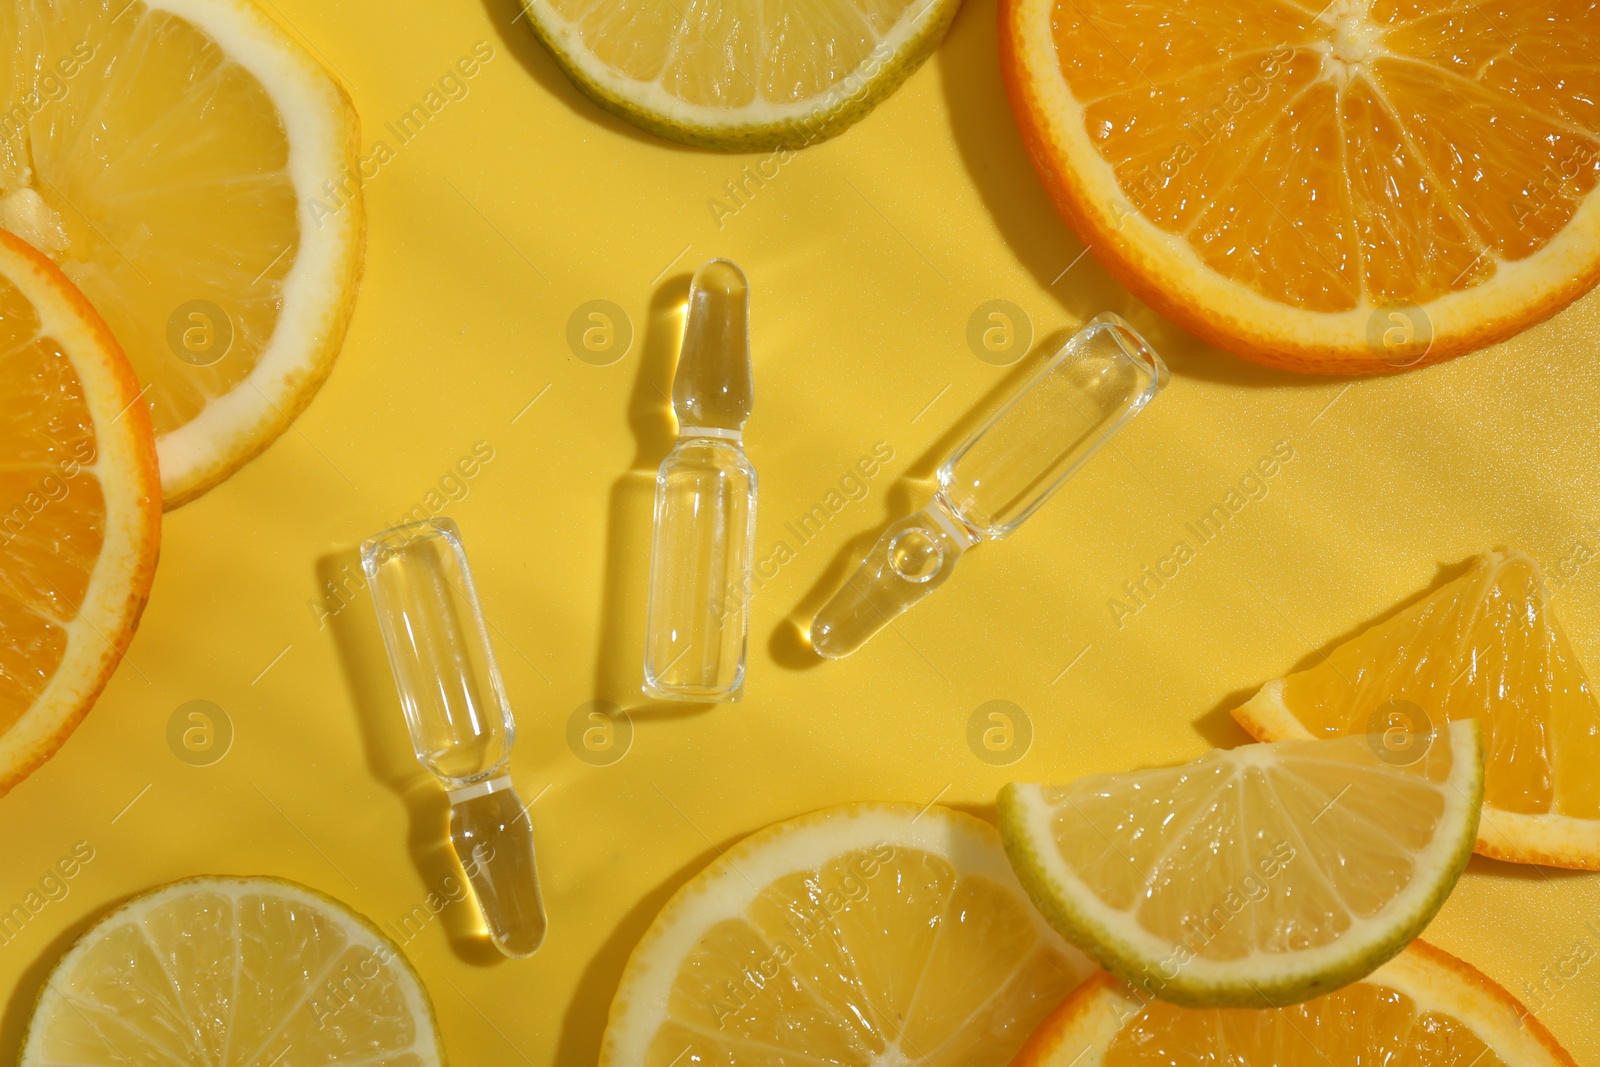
point(999, 476)
point(702, 556)
point(460, 721)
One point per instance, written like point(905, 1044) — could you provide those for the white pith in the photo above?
point(1082, 1033)
point(54, 998)
point(653, 96)
point(106, 610)
point(1170, 263)
point(317, 287)
point(726, 889)
point(1119, 932)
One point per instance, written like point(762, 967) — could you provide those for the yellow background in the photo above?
point(867, 255)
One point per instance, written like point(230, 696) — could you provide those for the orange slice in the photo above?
point(80, 507)
point(1424, 1008)
point(1339, 189)
point(1486, 646)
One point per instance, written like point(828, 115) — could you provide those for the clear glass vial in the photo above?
point(999, 476)
point(460, 720)
point(702, 558)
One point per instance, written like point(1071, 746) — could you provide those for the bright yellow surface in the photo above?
point(867, 255)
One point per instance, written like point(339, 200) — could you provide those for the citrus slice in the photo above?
point(193, 171)
point(1486, 646)
point(1424, 1008)
point(1261, 875)
point(232, 971)
point(1340, 189)
point(740, 74)
point(858, 936)
point(80, 508)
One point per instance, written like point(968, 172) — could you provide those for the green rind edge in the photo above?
point(371, 927)
point(1133, 969)
point(756, 137)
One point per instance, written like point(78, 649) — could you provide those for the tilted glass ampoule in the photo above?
point(460, 721)
point(999, 476)
point(698, 623)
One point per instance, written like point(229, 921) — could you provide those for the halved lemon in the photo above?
point(233, 970)
point(80, 508)
point(194, 172)
point(1261, 875)
point(1342, 188)
point(857, 936)
point(1485, 647)
point(1424, 1008)
point(740, 74)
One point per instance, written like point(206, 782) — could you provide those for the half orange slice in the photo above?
point(1341, 188)
point(80, 507)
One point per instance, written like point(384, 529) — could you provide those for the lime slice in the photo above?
point(740, 74)
point(1258, 876)
point(233, 971)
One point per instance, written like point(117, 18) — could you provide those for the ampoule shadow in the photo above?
point(365, 666)
point(619, 661)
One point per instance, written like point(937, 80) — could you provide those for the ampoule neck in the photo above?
point(949, 518)
point(712, 388)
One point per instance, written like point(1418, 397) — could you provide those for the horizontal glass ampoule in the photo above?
point(999, 476)
point(703, 549)
point(459, 718)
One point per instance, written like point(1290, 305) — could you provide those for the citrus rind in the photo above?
point(1137, 955)
point(428, 1050)
point(125, 466)
point(1166, 273)
point(1082, 1029)
point(760, 125)
point(319, 289)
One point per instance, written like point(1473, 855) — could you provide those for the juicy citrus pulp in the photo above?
point(1424, 1008)
point(171, 156)
point(1486, 647)
point(864, 935)
point(740, 74)
point(1340, 188)
point(1264, 874)
point(80, 508)
point(230, 971)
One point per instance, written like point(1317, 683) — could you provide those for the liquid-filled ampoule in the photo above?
point(992, 482)
point(705, 515)
point(460, 720)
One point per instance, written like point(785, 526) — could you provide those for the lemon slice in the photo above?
point(193, 171)
point(740, 74)
point(233, 971)
point(1486, 646)
point(860, 936)
point(1265, 874)
point(1424, 1008)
